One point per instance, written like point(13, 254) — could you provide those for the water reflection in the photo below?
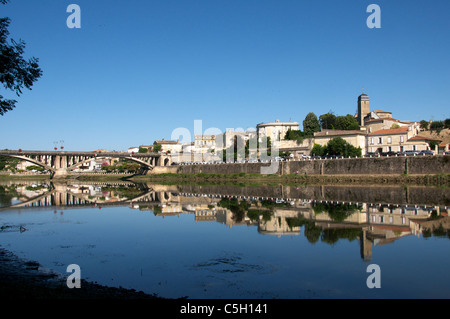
point(324, 213)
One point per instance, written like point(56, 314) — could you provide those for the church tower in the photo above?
point(363, 108)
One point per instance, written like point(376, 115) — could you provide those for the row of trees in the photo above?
point(327, 121)
point(436, 125)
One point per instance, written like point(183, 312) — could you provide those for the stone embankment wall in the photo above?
point(354, 166)
point(414, 195)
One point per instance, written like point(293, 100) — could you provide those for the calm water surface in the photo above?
point(235, 242)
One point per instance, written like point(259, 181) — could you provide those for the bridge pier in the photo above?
point(60, 173)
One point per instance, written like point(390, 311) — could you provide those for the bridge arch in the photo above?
point(34, 161)
point(136, 160)
point(164, 161)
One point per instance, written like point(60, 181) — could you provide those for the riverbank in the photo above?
point(24, 279)
point(442, 180)
point(258, 179)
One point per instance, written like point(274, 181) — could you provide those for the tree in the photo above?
point(156, 147)
point(311, 124)
point(437, 126)
point(424, 125)
point(16, 73)
point(295, 135)
point(143, 150)
point(346, 122)
point(447, 123)
point(338, 146)
point(394, 126)
point(318, 150)
point(327, 121)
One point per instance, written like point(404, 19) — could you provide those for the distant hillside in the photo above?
point(444, 135)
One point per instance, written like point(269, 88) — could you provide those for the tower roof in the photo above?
point(363, 97)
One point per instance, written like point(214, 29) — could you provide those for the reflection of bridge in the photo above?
point(60, 163)
point(66, 196)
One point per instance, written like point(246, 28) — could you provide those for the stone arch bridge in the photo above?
point(60, 163)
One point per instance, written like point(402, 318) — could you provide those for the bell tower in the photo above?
point(363, 108)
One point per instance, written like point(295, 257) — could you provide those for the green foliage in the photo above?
point(7, 193)
point(311, 124)
point(347, 122)
point(252, 141)
point(338, 146)
point(318, 150)
point(337, 212)
point(16, 73)
point(143, 150)
point(237, 208)
point(254, 214)
point(447, 123)
point(424, 124)
point(156, 147)
point(395, 125)
point(432, 144)
point(35, 167)
point(437, 126)
point(8, 163)
point(331, 236)
point(328, 121)
point(122, 167)
point(295, 135)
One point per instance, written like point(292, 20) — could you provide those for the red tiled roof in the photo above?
point(339, 132)
point(386, 119)
point(166, 142)
point(381, 111)
point(391, 131)
point(422, 138)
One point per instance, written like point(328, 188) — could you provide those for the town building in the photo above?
point(170, 147)
point(357, 138)
point(275, 130)
point(133, 149)
point(398, 140)
point(204, 143)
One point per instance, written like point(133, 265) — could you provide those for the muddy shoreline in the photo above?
point(25, 279)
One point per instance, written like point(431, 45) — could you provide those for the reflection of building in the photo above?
point(327, 221)
point(278, 224)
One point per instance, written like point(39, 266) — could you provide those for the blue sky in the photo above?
point(137, 70)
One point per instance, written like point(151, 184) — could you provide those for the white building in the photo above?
point(275, 130)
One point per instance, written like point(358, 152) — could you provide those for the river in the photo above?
point(228, 241)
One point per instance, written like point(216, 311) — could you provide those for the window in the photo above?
point(371, 140)
point(389, 140)
point(401, 139)
point(380, 140)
